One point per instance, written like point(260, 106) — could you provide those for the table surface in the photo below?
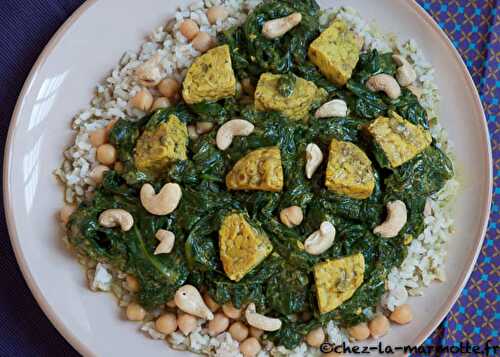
point(473, 26)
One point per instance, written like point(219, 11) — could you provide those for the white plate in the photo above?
point(83, 51)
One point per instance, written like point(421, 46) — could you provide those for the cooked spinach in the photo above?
point(131, 251)
point(372, 63)
point(286, 84)
point(280, 55)
point(294, 297)
point(283, 284)
point(366, 104)
point(408, 107)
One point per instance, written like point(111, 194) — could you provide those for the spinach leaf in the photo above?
point(367, 104)
point(249, 289)
point(288, 244)
point(345, 129)
point(310, 72)
point(415, 180)
point(181, 111)
point(242, 65)
point(253, 54)
point(287, 291)
point(291, 333)
point(131, 251)
point(422, 176)
point(372, 63)
point(123, 137)
point(216, 112)
point(286, 84)
point(408, 106)
point(205, 166)
point(159, 276)
point(259, 205)
point(279, 55)
point(201, 246)
point(197, 204)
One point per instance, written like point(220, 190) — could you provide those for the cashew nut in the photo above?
point(149, 73)
point(260, 321)
point(278, 27)
point(395, 221)
point(333, 108)
point(405, 74)
point(115, 216)
point(164, 202)
point(167, 240)
point(230, 129)
point(291, 216)
point(188, 299)
point(321, 240)
point(385, 83)
point(314, 157)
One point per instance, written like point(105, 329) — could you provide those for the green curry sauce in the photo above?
point(283, 284)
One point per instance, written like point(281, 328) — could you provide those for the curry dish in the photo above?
point(291, 171)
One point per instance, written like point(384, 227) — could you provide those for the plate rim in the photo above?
point(52, 314)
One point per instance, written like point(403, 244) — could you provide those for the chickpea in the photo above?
point(132, 283)
point(379, 326)
point(402, 314)
point(218, 325)
point(97, 173)
point(316, 337)
point(291, 216)
point(238, 331)
point(166, 323)
point(65, 213)
point(143, 100)
point(250, 347)
point(231, 311)
point(203, 127)
point(217, 13)
point(106, 154)
point(135, 312)
point(169, 87)
point(255, 332)
point(98, 137)
point(212, 305)
point(359, 332)
point(202, 42)
point(160, 102)
point(171, 304)
point(187, 323)
point(189, 29)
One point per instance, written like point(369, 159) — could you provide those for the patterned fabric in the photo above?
point(473, 26)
